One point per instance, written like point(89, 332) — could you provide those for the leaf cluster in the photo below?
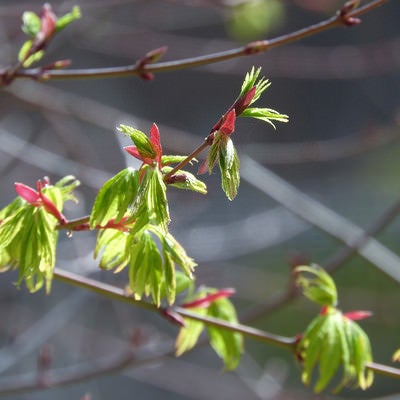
point(332, 340)
point(28, 236)
point(222, 149)
point(132, 215)
point(41, 29)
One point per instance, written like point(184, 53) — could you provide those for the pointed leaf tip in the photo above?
point(358, 315)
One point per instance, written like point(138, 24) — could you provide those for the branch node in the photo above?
point(344, 13)
point(258, 46)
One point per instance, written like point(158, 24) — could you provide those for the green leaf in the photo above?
point(28, 236)
point(229, 165)
point(265, 114)
point(152, 264)
point(214, 151)
point(316, 284)
point(226, 153)
point(249, 80)
point(176, 252)
point(189, 334)
point(396, 355)
point(112, 245)
point(30, 23)
point(145, 267)
point(115, 197)
point(141, 141)
point(25, 57)
point(227, 344)
point(66, 19)
point(156, 200)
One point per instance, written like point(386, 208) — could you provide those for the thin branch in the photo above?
point(320, 216)
point(138, 69)
point(78, 372)
point(385, 370)
point(116, 293)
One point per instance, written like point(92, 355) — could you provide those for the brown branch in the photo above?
point(342, 18)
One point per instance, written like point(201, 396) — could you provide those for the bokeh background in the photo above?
point(340, 149)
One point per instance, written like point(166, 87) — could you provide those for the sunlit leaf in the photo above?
point(265, 114)
point(115, 197)
point(145, 267)
point(111, 245)
point(189, 334)
point(229, 165)
point(172, 159)
point(156, 200)
point(227, 344)
point(141, 141)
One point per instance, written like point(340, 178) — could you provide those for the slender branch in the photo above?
point(138, 69)
point(245, 330)
point(103, 289)
point(116, 293)
point(385, 370)
point(187, 160)
point(72, 224)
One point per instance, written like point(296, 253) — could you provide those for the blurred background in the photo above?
point(334, 163)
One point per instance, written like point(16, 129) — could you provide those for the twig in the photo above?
point(116, 293)
point(257, 47)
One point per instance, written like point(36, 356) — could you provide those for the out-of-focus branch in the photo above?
point(343, 17)
point(320, 216)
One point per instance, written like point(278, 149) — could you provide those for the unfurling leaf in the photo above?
point(115, 197)
point(143, 144)
point(30, 23)
point(222, 148)
point(186, 180)
point(265, 114)
point(316, 284)
point(229, 165)
point(145, 267)
point(28, 59)
point(250, 81)
point(155, 199)
point(332, 341)
point(66, 19)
